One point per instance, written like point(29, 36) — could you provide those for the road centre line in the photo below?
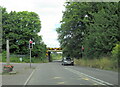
point(60, 83)
point(92, 78)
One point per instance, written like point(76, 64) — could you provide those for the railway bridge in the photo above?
point(49, 50)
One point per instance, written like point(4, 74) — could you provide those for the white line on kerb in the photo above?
point(92, 78)
point(29, 78)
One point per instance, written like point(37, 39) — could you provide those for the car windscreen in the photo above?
point(69, 59)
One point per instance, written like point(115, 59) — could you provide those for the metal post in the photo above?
point(30, 57)
point(8, 53)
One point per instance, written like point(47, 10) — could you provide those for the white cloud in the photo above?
point(50, 13)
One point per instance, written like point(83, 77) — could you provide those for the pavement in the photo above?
point(23, 72)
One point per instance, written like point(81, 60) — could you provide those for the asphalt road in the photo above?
point(55, 74)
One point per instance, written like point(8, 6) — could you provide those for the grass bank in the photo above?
point(102, 63)
point(25, 60)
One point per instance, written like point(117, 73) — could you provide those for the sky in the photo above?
point(49, 11)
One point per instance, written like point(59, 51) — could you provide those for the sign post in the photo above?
point(30, 47)
point(30, 58)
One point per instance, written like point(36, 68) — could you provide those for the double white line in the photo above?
point(92, 78)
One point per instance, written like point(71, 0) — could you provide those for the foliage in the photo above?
point(0, 29)
point(4, 54)
point(25, 59)
point(56, 56)
point(19, 28)
point(116, 51)
point(8, 66)
point(92, 26)
point(102, 63)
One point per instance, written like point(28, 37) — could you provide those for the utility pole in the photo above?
point(8, 53)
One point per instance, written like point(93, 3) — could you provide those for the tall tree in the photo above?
point(19, 28)
point(89, 26)
point(0, 29)
point(102, 35)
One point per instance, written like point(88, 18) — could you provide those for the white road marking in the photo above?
point(92, 78)
point(29, 78)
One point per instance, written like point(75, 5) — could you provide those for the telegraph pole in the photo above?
point(8, 53)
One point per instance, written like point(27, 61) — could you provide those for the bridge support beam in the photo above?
point(49, 57)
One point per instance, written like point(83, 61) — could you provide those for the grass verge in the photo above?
point(102, 63)
point(25, 60)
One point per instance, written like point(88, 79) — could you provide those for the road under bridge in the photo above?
point(49, 50)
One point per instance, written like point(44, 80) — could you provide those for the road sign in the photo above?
point(82, 48)
point(30, 42)
point(30, 47)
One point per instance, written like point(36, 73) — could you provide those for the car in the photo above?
point(67, 61)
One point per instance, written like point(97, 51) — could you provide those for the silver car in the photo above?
point(67, 61)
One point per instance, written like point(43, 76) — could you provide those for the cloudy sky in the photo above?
point(49, 11)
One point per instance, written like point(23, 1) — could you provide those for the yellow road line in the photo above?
point(95, 84)
point(60, 83)
point(56, 77)
point(85, 78)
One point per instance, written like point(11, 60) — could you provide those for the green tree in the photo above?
point(93, 26)
point(102, 35)
point(0, 29)
point(19, 28)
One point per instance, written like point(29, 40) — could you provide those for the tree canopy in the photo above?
point(89, 29)
point(0, 30)
point(19, 28)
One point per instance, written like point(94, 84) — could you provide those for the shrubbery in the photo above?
point(102, 63)
point(116, 51)
point(56, 56)
point(15, 58)
point(116, 55)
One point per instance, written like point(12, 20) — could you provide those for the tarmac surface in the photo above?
point(22, 70)
point(54, 73)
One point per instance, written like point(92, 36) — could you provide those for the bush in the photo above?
point(25, 59)
point(102, 63)
point(3, 56)
point(116, 55)
point(116, 51)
